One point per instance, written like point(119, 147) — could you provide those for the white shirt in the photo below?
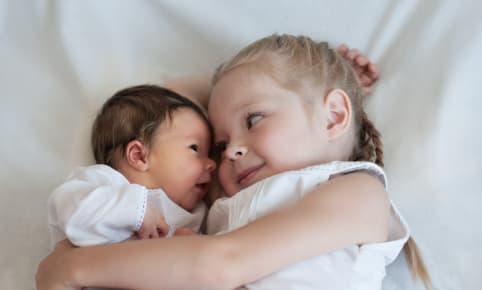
point(355, 267)
point(98, 205)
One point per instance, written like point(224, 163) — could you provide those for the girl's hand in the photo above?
point(366, 72)
point(53, 272)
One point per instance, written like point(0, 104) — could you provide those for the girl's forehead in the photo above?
point(242, 87)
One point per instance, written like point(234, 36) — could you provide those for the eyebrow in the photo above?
point(195, 135)
point(251, 101)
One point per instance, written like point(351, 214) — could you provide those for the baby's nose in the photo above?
point(210, 165)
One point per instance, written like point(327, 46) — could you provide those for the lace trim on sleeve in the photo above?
point(141, 211)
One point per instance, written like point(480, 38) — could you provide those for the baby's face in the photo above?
point(262, 128)
point(178, 158)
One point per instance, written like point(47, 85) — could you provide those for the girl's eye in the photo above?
point(194, 147)
point(252, 119)
point(217, 151)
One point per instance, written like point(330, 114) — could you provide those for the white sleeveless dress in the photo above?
point(356, 267)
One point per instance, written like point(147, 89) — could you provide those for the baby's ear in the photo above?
point(339, 113)
point(136, 155)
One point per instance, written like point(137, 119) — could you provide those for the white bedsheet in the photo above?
point(60, 60)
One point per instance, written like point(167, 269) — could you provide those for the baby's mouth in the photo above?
point(202, 187)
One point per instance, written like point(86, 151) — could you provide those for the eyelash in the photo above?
point(194, 147)
point(220, 147)
point(250, 118)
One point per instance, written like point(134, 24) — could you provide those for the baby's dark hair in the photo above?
point(134, 113)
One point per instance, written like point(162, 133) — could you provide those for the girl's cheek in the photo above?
point(226, 179)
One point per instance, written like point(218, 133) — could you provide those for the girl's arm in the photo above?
point(349, 209)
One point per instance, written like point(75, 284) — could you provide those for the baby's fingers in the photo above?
point(148, 233)
point(162, 227)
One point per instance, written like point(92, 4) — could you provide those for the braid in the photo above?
point(370, 146)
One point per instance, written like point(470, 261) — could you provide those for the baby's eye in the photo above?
point(194, 147)
point(252, 119)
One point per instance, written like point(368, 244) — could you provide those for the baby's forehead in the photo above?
point(185, 120)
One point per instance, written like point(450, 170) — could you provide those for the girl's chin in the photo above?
point(232, 192)
point(234, 189)
point(230, 189)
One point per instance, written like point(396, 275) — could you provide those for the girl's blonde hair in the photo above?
point(298, 62)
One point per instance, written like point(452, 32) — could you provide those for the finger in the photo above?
point(365, 80)
point(373, 71)
point(342, 49)
point(359, 70)
point(143, 234)
point(352, 54)
point(162, 231)
point(154, 234)
point(361, 60)
point(162, 227)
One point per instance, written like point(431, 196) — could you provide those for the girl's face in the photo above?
point(262, 128)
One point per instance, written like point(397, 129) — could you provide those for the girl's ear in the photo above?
point(136, 155)
point(339, 113)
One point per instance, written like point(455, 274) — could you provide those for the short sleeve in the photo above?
point(340, 167)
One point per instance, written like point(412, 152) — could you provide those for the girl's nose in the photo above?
point(233, 152)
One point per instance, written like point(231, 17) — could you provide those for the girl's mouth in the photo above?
point(248, 175)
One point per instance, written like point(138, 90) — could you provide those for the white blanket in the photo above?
point(61, 59)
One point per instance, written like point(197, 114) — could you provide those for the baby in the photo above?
point(153, 169)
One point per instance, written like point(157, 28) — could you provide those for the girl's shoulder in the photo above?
point(336, 168)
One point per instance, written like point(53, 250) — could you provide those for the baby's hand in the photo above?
point(367, 72)
point(153, 225)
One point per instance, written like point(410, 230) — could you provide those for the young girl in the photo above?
point(284, 105)
point(279, 137)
